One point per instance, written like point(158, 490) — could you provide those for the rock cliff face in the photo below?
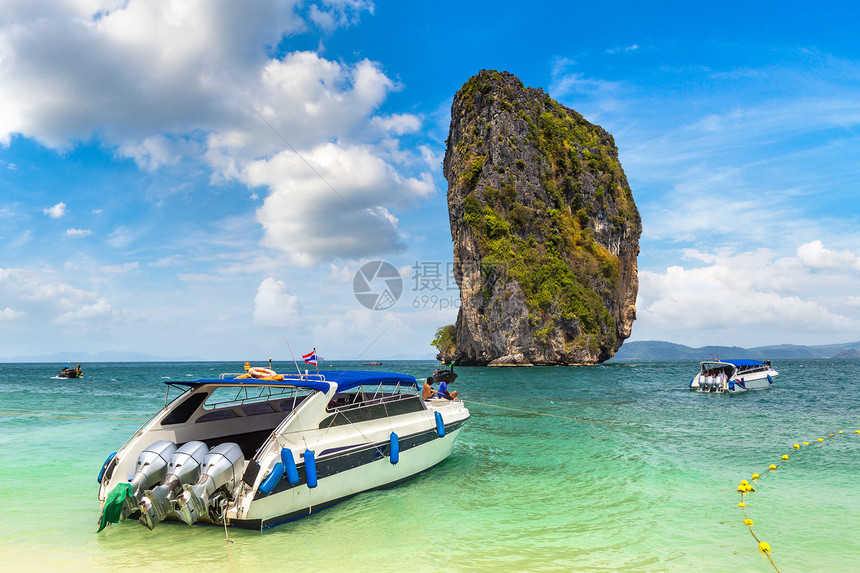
point(545, 230)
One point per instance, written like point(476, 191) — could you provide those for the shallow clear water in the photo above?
point(631, 472)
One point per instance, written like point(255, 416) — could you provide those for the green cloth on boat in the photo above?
point(113, 504)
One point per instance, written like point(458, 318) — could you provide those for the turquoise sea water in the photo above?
point(643, 480)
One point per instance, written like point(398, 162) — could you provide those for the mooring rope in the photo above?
point(745, 487)
point(227, 535)
point(550, 415)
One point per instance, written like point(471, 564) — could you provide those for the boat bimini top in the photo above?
point(344, 379)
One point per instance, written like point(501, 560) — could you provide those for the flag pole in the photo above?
point(317, 360)
point(293, 355)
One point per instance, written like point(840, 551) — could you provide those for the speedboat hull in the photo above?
point(341, 476)
point(295, 446)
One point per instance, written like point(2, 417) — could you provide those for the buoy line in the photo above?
point(745, 487)
point(4, 411)
point(550, 415)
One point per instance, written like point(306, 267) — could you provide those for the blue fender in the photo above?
point(395, 449)
point(769, 379)
point(272, 479)
point(440, 425)
point(290, 466)
point(105, 465)
point(310, 468)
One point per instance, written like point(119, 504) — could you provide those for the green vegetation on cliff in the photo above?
point(544, 237)
point(445, 340)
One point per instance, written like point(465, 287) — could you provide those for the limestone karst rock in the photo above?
point(545, 229)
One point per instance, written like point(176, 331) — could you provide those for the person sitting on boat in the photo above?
point(443, 392)
point(427, 392)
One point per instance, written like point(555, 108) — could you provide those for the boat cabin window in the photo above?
point(370, 403)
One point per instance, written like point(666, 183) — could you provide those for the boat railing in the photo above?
point(299, 377)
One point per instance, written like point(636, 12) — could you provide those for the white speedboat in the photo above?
point(733, 376)
point(254, 453)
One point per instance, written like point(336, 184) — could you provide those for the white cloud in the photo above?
point(331, 14)
point(78, 233)
point(10, 314)
point(120, 269)
point(40, 295)
point(99, 310)
point(55, 212)
point(746, 298)
point(275, 307)
point(176, 81)
point(815, 256)
point(121, 237)
point(335, 204)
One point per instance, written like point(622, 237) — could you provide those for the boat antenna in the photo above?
point(293, 355)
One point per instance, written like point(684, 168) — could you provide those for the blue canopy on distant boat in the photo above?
point(345, 380)
point(744, 362)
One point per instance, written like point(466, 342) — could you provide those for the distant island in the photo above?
point(657, 350)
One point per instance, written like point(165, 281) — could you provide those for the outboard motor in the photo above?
point(222, 467)
point(183, 468)
point(151, 469)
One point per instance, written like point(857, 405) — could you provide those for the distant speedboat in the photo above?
point(255, 453)
point(374, 363)
point(732, 376)
point(69, 372)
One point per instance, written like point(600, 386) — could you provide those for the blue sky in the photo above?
point(202, 179)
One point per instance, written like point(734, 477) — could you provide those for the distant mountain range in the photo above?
point(658, 350)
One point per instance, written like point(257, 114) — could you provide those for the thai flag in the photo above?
point(310, 358)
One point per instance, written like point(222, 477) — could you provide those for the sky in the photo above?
point(217, 180)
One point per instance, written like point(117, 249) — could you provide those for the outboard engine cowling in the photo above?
point(222, 467)
point(151, 469)
point(183, 468)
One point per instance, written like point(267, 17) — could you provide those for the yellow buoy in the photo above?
point(744, 482)
point(785, 456)
point(820, 439)
point(805, 443)
point(772, 467)
point(841, 432)
point(857, 431)
point(755, 476)
point(832, 436)
point(748, 522)
point(764, 547)
point(796, 446)
point(742, 488)
point(742, 504)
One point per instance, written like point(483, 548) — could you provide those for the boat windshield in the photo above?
point(226, 396)
point(716, 368)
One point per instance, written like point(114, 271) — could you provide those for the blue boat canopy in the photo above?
point(345, 380)
point(744, 362)
point(348, 379)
